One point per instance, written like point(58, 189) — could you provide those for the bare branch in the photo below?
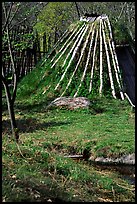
point(7, 15)
point(18, 23)
point(17, 9)
point(77, 9)
point(25, 19)
point(121, 11)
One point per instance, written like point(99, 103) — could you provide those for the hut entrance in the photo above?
point(127, 63)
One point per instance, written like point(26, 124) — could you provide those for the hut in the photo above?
point(84, 60)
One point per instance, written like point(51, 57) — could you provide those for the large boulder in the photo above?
point(70, 102)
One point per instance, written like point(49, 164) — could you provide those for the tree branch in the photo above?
point(17, 9)
point(13, 68)
point(25, 19)
point(121, 11)
point(8, 15)
point(17, 24)
point(77, 9)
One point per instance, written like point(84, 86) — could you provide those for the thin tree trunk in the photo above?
point(13, 68)
point(66, 33)
point(11, 97)
point(77, 9)
point(113, 47)
point(129, 100)
point(129, 22)
point(121, 11)
point(10, 105)
point(74, 31)
point(73, 47)
point(67, 45)
point(114, 51)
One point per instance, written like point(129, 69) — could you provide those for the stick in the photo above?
point(113, 47)
point(74, 156)
point(87, 62)
point(101, 66)
point(64, 46)
point(114, 63)
point(72, 48)
point(108, 62)
point(73, 55)
point(82, 52)
point(129, 100)
point(93, 63)
point(131, 189)
point(55, 46)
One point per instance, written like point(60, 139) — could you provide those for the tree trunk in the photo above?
point(77, 9)
point(10, 104)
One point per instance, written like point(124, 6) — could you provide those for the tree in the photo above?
point(56, 18)
point(13, 13)
point(10, 97)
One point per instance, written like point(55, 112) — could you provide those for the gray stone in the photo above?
point(125, 159)
point(70, 102)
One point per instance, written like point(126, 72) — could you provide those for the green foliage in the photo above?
point(53, 16)
point(120, 33)
point(26, 42)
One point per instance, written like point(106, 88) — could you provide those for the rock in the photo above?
point(125, 159)
point(70, 102)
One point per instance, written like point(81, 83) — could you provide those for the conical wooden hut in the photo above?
point(84, 62)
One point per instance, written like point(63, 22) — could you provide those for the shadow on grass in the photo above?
point(35, 107)
point(30, 125)
point(25, 107)
point(31, 190)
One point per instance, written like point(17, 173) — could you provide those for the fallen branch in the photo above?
point(74, 156)
point(133, 189)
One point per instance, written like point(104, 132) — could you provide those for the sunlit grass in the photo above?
point(106, 128)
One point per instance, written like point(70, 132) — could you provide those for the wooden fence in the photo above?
point(25, 59)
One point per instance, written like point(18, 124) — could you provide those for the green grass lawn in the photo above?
point(106, 129)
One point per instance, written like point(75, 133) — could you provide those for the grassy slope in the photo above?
point(105, 129)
